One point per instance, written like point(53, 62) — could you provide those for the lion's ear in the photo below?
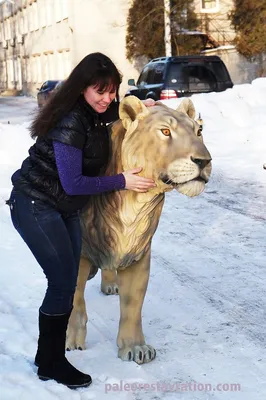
point(187, 107)
point(131, 110)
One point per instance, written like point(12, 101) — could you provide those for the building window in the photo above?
point(209, 6)
point(10, 70)
point(25, 21)
point(39, 69)
point(42, 13)
point(30, 18)
point(3, 72)
point(45, 67)
point(2, 36)
point(67, 63)
point(16, 25)
point(35, 16)
point(20, 23)
point(15, 67)
point(8, 29)
point(65, 10)
point(33, 70)
point(27, 67)
point(19, 74)
point(49, 11)
point(58, 13)
point(51, 66)
point(59, 65)
point(12, 27)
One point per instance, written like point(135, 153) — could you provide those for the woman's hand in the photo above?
point(149, 102)
point(137, 183)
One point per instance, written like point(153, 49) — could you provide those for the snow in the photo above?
point(205, 306)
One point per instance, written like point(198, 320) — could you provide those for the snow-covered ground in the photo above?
point(205, 306)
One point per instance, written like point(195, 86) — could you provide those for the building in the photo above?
point(30, 47)
point(45, 39)
point(213, 15)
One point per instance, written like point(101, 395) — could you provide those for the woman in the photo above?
point(65, 166)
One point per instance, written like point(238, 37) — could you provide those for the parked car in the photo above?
point(59, 85)
point(46, 90)
point(172, 77)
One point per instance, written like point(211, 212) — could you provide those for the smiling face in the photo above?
point(98, 99)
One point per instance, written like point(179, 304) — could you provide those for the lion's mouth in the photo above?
point(169, 181)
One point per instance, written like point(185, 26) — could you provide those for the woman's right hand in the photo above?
point(137, 183)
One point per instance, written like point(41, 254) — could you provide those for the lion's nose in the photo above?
point(201, 162)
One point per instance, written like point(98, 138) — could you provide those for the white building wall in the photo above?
point(101, 26)
point(56, 35)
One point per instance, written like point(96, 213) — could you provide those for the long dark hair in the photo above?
point(94, 69)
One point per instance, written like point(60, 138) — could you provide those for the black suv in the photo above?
point(172, 77)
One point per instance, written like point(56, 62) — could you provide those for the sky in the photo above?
point(204, 310)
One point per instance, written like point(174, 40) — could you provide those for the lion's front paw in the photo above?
point(109, 288)
point(139, 354)
point(75, 339)
point(76, 332)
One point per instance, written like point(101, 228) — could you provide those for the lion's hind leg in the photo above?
point(109, 282)
point(133, 283)
point(76, 331)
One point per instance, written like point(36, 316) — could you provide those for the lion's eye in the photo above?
point(166, 131)
point(199, 133)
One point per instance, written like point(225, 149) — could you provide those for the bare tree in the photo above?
point(146, 27)
point(248, 19)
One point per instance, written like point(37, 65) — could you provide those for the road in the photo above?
point(17, 110)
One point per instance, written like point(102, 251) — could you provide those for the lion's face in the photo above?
point(168, 144)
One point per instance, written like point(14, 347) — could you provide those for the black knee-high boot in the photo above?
point(51, 353)
point(37, 356)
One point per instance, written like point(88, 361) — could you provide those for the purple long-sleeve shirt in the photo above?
point(69, 165)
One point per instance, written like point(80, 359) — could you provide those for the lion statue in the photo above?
point(118, 227)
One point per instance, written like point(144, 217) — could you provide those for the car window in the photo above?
point(158, 73)
point(150, 74)
point(175, 74)
point(143, 76)
point(44, 86)
point(219, 70)
point(198, 73)
point(190, 77)
point(59, 85)
point(52, 84)
point(199, 78)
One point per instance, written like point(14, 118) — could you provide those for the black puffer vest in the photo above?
point(38, 177)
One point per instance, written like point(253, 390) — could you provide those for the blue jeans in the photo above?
point(55, 241)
